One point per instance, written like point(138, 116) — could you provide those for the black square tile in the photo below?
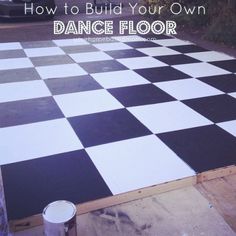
point(225, 83)
point(203, 148)
point(97, 40)
point(140, 95)
point(18, 75)
point(129, 53)
point(176, 59)
point(51, 60)
point(142, 44)
point(216, 108)
point(12, 54)
point(229, 65)
point(107, 127)
point(31, 185)
point(161, 74)
point(102, 66)
point(28, 111)
point(188, 48)
point(72, 84)
point(156, 36)
point(38, 44)
point(79, 49)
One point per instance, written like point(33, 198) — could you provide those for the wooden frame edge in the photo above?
point(216, 173)
point(135, 195)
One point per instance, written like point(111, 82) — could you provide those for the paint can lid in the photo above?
point(59, 212)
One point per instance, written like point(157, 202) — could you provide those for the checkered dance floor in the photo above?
point(82, 120)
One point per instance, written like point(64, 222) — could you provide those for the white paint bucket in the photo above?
point(60, 219)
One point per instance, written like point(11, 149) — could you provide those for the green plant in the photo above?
point(223, 29)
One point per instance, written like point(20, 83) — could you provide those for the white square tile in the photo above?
point(137, 163)
point(70, 42)
point(209, 56)
point(23, 90)
point(200, 69)
point(158, 51)
point(188, 89)
point(15, 63)
point(10, 46)
point(129, 38)
point(172, 42)
point(233, 94)
point(88, 102)
point(141, 62)
point(90, 56)
point(118, 79)
point(111, 46)
point(25, 142)
point(58, 71)
point(40, 52)
point(229, 126)
point(168, 116)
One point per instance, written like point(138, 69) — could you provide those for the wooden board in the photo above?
point(216, 173)
point(221, 193)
